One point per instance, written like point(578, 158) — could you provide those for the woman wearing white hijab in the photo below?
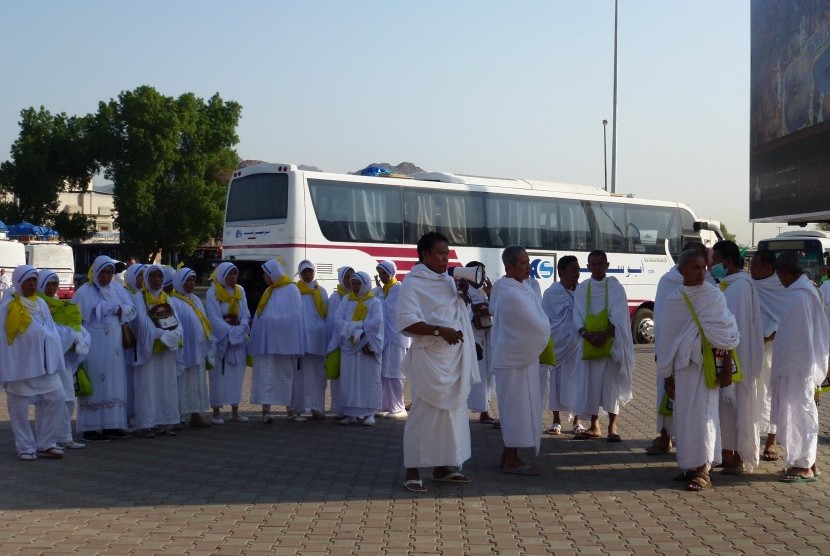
point(359, 321)
point(31, 359)
point(198, 346)
point(228, 313)
point(75, 342)
point(344, 287)
point(277, 342)
point(105, 307)
point(154, 368)
point(310, 379)
point(395, 344)
point(133, 282)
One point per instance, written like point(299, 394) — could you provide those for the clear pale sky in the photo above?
point(511, 89)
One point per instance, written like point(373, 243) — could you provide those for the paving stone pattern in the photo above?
point(321, 488)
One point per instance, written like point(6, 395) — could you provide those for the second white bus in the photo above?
point(278, 211)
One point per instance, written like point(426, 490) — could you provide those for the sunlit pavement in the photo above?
point(321, 488)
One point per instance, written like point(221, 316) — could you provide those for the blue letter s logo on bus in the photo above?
point(541, 268)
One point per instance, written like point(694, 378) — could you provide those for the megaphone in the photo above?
point(473, 274)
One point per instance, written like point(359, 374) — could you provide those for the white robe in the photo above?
point(30, 371)
point(106, 407)
point(482, 392)
point(771, 294)
point(190, 360)
point(277, 342)
point(226, 377)
point(331, 310)
point(395, 343)
point(740, 404)
point(696, 422)
point(521, 331)
point(567, 384)
point(360, 384)
point(668, 283)
point(309, 393)
point(799, 365)
point(609, 379)
point(437, 431)
point(155, 381)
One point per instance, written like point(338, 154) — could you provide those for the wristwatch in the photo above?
point(436, 331)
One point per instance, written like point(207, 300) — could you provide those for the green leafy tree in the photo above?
point(73, 227)
point(823, 226)
point(168, 158)
point(725, 232)
point(50, 155)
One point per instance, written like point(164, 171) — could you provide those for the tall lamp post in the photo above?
point(614, 132)
point(605, 150)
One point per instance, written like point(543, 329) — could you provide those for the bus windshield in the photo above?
point(810, 251)
point(258, 197)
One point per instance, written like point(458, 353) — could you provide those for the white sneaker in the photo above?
point(296, 418)
point(369, 421)
point(240, 419)
point(348, 420)
point(217, 420)
point(382, 414)
point(399, 415)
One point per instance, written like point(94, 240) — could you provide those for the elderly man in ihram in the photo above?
point(31, 358)
point(695, 321)
point(441, 366)
point(521, 331)
point(799, 365)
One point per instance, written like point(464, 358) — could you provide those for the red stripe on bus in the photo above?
point(382, 252)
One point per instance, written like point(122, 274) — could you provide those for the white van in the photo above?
point(12, 255)
point(57, 257)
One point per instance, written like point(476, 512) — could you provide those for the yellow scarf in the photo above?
point(202, 317)
point(388, 286)
point(361, 310)
point(305, 289)
point(263, 301)
point(63, 312)
point(342, 291)
point(18, 317)
point(151, 300)
point(130, 289)
point(232, 300)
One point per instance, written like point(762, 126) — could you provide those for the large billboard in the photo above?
point(789, 164)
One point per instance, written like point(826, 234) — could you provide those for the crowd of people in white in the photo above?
point(147, 356)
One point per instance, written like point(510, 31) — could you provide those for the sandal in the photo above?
point(698, 481)
point(802, 476)
point(414, 485)
point(770, 455)
point(556, 429)
point(579, 429)
point(614, 437)
point(452, 477)
point(657, 450)
point(733, 469)
point(524, 469)
point(27, 456)
point(585, 435)
point(52, 453)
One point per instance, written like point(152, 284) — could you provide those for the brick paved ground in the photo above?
point(321, 488)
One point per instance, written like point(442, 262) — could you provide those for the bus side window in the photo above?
point(575, 229)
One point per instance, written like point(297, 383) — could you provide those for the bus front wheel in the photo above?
point(642, 327)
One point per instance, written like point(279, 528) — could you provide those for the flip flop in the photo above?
point(770, 456)
point(27, 456)
point(414, 485)
point(521, 470)
point(792, 479)
point(586, 436)
point(614, 438)
point(452, 477)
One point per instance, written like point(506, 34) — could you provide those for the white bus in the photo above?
point(812, 246)
point(276, 210)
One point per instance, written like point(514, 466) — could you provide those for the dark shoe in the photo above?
point(116, 434)
point(95, 436)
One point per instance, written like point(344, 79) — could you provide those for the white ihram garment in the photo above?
point(771, 294)
point(696, 422)
point(567, 385)
point(609, 379)
point(799, 365)
point(437, 432)
point(521, 331)
point(482, 392)
point(395, 345)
